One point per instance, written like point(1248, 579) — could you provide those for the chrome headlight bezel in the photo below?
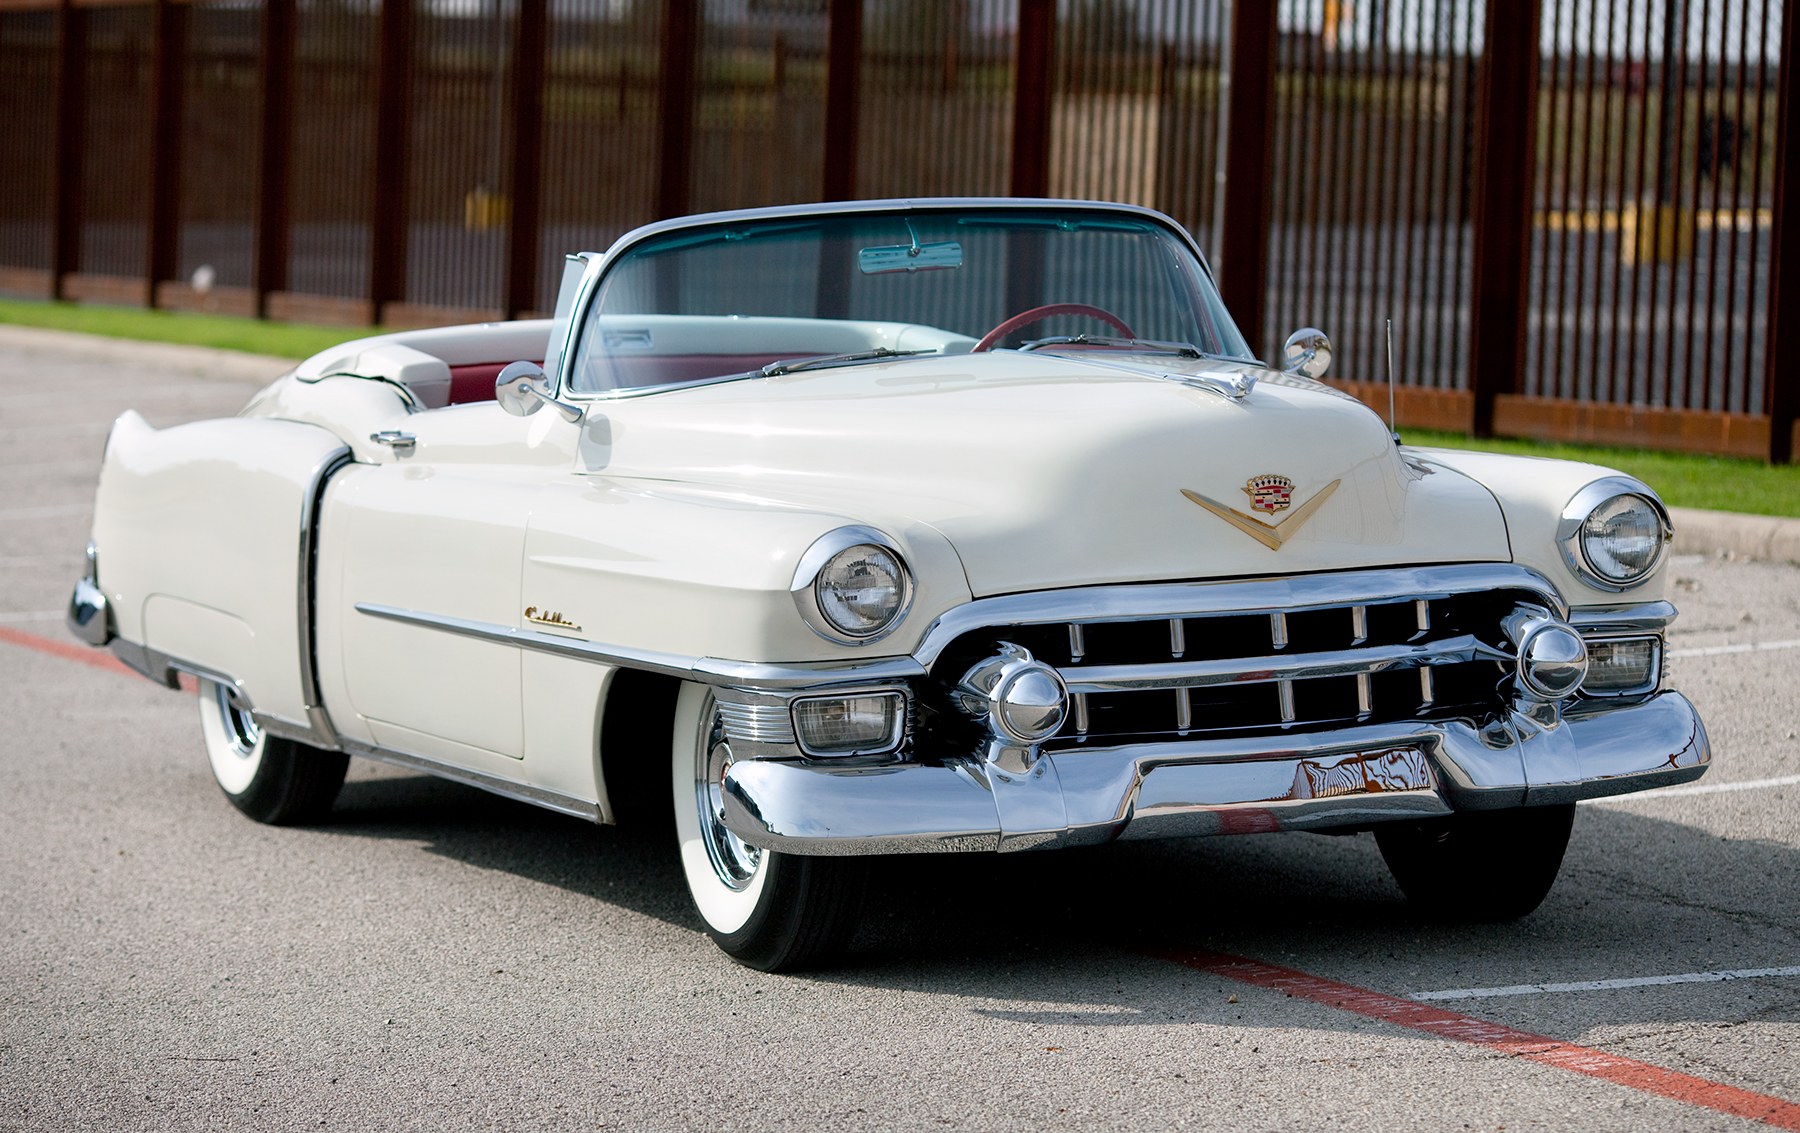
point(1572, 534)
point(809, 576)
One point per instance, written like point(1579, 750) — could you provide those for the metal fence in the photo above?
point(1569, 210)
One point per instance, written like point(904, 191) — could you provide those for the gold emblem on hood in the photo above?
point(549, 618)
point(1267, 493)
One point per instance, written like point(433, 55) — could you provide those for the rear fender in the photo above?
point(203, 536)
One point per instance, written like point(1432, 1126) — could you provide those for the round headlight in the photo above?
point(1622, 538)
point(861, 589)
point(1613, 533)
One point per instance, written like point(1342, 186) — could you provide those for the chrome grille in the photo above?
point(1223, 672)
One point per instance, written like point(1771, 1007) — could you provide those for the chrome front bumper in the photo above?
point(1346, 778)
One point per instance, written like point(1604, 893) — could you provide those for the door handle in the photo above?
point(395, 439)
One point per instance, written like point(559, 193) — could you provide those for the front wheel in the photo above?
point(772, 911)
point(1478, 866)
point(270, 779)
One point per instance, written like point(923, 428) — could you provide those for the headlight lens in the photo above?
point(1622, 539)
point(861, 590)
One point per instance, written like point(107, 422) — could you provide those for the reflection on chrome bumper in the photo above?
point(1346, 778)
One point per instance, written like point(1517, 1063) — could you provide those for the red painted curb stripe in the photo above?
point(68, 651)
point(1627, 1072)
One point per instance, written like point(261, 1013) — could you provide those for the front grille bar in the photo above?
point(1260, 670)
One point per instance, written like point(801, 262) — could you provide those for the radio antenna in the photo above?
point(1392, 427)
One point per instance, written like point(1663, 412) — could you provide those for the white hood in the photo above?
point(1049, 471)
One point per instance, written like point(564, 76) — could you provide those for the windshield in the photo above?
point(734, 297)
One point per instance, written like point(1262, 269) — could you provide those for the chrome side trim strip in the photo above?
point(493, 784)
point(708, 670)
point(1288, 667)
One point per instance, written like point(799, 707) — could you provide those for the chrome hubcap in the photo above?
point(241, 730)
point(734, 861)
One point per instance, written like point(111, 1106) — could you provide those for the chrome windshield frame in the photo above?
point(568, 349)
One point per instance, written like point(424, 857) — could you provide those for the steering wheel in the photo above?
point(1026, 318)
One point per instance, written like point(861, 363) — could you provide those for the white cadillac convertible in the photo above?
point(892, 527)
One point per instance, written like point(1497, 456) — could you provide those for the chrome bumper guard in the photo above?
point(1345, 778)
point(88, 617)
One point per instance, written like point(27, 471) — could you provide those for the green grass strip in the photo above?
point(1717, 483)
point(186, 328)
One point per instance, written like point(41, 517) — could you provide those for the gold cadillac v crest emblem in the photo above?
point(1268, 494)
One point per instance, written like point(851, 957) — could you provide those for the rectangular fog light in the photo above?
point(863, 724)
point(1621, 666)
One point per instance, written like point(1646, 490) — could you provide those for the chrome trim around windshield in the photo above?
point(597, 263)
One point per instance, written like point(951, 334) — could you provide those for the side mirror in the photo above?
point(1306, 352)
point(523, 388)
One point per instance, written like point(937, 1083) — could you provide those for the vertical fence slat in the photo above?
point(843, 98)
point(1781, 391)
point(1034, 73)
point(71, 131)
point(1506, 133)
point(1244, 228)
point(680, 44)
point(525, 158)
point(393, 138)
point(275, 156)
point(168, 60)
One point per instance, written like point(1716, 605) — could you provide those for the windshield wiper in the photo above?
point(1152, 346)
point(794, 365)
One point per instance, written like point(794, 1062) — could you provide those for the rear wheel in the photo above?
point(768, 910)
point(270, 779)
point(1478, 866)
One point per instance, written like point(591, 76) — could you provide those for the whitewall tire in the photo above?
point(270, 779)
point(772, 911)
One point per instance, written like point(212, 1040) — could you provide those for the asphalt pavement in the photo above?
point(435, 958)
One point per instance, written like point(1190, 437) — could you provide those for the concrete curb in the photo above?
point(1761, 537)
point(200, 361)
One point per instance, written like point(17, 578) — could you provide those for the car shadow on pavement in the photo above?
point(1638, 896)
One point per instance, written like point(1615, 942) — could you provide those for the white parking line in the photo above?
point(55, 511)
point(1721, 650)
point(1606, 985)
point(1699, 789)
point(20, 617)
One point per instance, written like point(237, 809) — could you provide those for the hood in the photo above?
point(1047, 471)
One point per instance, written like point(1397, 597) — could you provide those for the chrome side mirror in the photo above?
point(523, 388)
point(1306, 352)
